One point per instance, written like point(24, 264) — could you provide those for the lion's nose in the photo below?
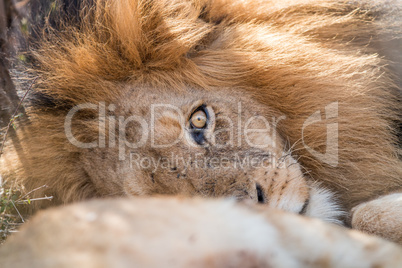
point(260, 193)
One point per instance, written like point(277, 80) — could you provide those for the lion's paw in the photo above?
point(382, 217)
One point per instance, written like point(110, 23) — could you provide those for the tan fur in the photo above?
point(171, 232)
point(290, 58)
point(382, 216)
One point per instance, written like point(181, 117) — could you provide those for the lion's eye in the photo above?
point(199, 119)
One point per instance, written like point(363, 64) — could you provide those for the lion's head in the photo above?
point(214, 98)
point(195, 143)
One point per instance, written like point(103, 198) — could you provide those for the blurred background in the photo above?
point(21, 22)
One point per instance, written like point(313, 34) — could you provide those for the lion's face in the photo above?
point(197, 143)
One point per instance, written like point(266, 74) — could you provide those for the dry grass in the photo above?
point(10, 217)
point(14, 203)
point(13, 197)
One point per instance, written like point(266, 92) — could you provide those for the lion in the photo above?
point(283, 103)
point(183, 232)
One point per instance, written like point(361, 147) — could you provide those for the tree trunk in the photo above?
point(8, 95)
